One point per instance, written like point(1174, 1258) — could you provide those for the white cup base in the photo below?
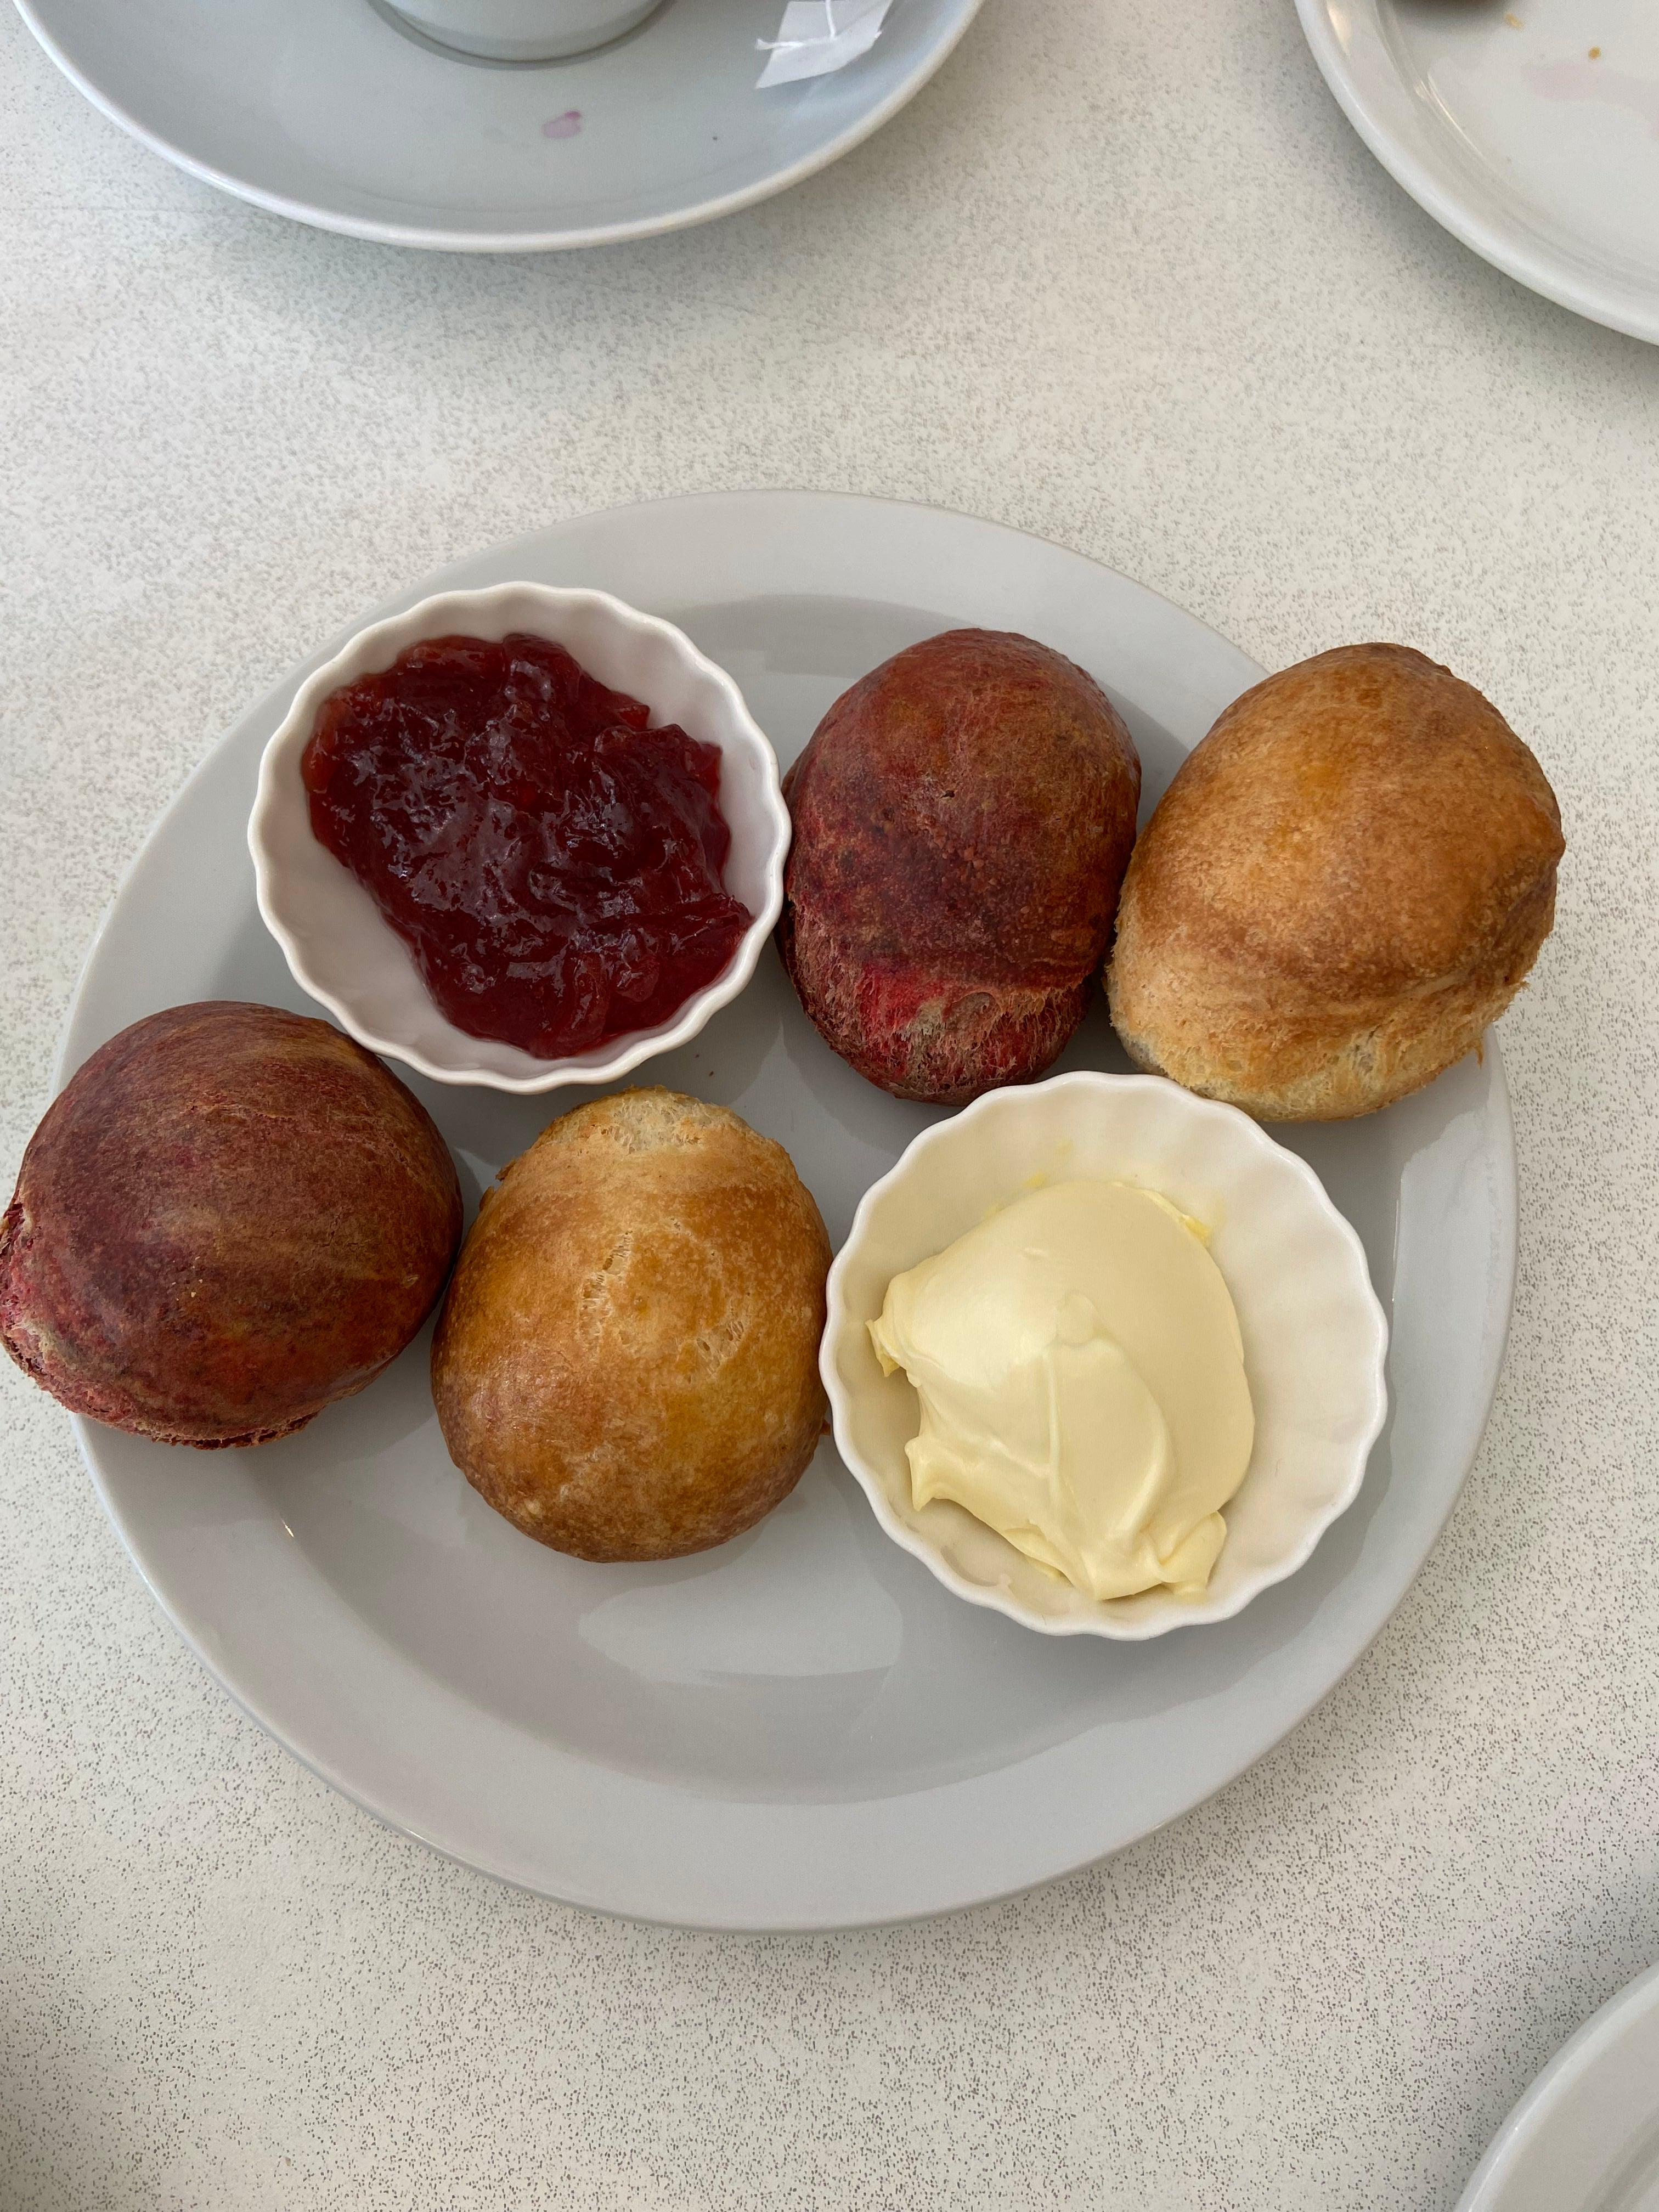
point(459, 25)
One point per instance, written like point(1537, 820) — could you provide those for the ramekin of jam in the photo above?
point(521, 838)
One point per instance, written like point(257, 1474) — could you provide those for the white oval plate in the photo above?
point(802, 1729)
point(331, 113)
point(1529, 128)
point(1585, 2137)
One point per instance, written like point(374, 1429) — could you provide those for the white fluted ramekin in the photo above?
point(346, 956)
point(1315, 1335)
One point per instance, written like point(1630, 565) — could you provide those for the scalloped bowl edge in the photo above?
point(342, 951)
point(1316, 1336)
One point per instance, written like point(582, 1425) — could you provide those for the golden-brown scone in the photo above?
point(626, 1365)
point(1346, 881)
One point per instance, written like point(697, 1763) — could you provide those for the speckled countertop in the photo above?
point(1124, 277)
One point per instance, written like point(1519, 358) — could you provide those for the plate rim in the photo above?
point(1542, 2096)
point(1502, 1278)
point(431, 239)
point(1534, 268)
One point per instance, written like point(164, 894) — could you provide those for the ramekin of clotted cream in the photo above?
point(1105, 1356)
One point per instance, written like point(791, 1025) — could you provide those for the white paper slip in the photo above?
point(817, 36)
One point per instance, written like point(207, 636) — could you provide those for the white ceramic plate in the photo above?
point(331, 113)
point(1585, 2137)
point(802, 1729)
point(1529, 128)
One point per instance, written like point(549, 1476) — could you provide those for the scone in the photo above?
point(962, 816)
point(230, 1217)
point(626, 1365)
point(1346, 883)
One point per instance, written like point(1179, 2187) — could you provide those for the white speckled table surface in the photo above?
point(1124, 277)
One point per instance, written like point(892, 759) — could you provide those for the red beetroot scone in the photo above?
point(228, 1217)
point(963, 818)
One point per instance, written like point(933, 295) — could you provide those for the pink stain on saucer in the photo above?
point(1592, 79)
point(563, 126)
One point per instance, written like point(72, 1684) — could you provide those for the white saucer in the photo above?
point(328, 111)
point(1585, 2137)
point(1529, 128)
point(804, 1729)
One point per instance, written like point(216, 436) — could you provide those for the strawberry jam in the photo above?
point(553, 863)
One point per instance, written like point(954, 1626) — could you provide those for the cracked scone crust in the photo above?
point(626, 1365)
